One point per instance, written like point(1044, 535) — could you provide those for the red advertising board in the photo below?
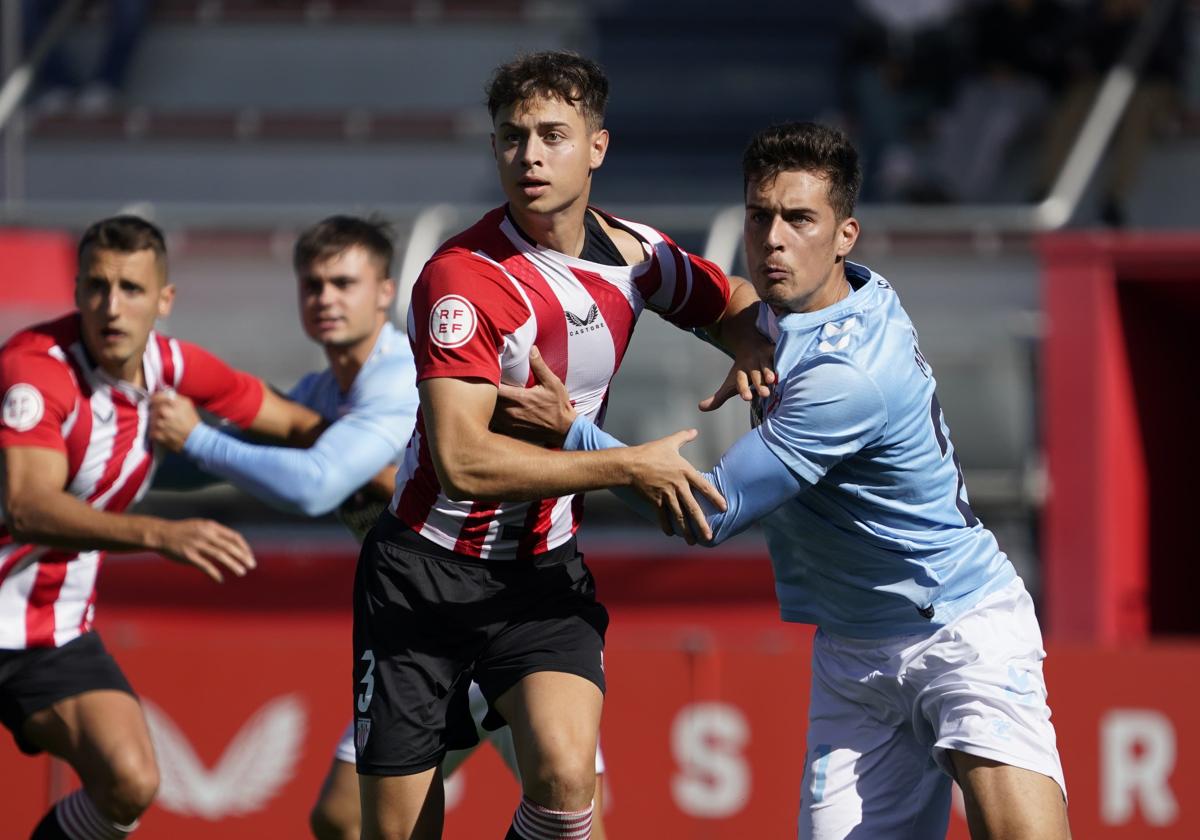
point(703, 728)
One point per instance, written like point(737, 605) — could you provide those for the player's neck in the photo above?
point(560, 230)
point(345, 361)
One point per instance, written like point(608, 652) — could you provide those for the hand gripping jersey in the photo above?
point(55, 397)
point(482, 301)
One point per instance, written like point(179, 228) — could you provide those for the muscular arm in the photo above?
point(473, 462)
point(39, 510)
point(749, 476)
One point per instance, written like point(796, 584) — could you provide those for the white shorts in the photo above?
point(501, 739)
point(885, 712)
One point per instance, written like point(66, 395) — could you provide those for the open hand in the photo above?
point(669, 482)
point(752, 374)
point(207, 545)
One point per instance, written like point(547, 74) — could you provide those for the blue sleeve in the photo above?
point(316, 480)
point(822, 413)
point(749, 476)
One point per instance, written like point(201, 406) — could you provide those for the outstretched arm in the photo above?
point(752, 480)
point(39, 510)
point(474, 462)
point(313, 481)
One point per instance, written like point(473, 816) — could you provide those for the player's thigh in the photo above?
point(1003, 801)
point(871, 780)
point(402, 807)
point(865, 772)
point(102, 734)
point(555, 717)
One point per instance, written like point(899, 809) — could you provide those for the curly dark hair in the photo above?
point(808, 147)
point(560, 74)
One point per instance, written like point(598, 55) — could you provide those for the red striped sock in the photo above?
point(533, 822)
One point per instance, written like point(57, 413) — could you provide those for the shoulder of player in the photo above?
point(389, 377)
point(40, 338)
point(630, 238)
point(41, 352)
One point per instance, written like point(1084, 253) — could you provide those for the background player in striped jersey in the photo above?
point(368, 397)
point(75, 452)
point(927, 662)
point(474, 573)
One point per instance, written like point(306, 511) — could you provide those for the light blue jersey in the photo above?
point(369, 428)
point(854, 477)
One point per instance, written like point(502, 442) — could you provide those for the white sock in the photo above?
point(534, 822)
point(81, 819)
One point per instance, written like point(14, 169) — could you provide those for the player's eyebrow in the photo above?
point(541, 126)
point(783, 211)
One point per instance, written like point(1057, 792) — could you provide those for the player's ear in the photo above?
point(599, 147)
point(847, 235)
point(166, 299)
point(385, 296)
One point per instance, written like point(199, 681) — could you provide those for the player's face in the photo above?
point(545, 152)
point(120, 295)
point(345, 298)
point(795, 242)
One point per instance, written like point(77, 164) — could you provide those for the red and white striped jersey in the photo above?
point(482, 301)
point(56, 398)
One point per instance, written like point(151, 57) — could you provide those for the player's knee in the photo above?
point(131, 786)
point(328, 821)
point(566, 783)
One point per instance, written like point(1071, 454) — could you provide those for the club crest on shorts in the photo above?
point(452, 321)
point(362, 731)
point(23, 407)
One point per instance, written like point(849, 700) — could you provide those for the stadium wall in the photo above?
point(248, 686)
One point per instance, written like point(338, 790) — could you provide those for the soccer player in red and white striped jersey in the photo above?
point(74, 454)
point(475, 573)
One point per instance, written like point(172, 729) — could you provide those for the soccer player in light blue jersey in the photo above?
point(927, 662)
point(368, 399)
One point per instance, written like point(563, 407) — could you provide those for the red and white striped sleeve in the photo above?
point(231, 394)
point(39, 394)
point(691, 291)
point(462, 309)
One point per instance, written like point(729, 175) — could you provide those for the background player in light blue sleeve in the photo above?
point(927, 660)
point(368, 399)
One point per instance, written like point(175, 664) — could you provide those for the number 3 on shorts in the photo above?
point(368, 681)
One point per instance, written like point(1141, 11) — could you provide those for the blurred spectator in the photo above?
point(59, 81)
point(901, 58)
point(1016, 71)
point(1106, 27)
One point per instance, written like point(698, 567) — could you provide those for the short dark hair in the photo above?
point(560, 74)
point(330, 237)
point(808, 147)
point(126, 234)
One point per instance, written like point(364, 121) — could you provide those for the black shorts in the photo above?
point(37, 678)
point(428, 621)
